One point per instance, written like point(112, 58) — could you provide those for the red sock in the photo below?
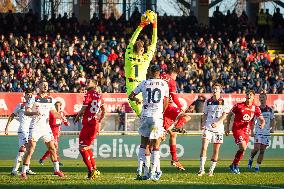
point(87, 159)
point(238, 157)
point(180, 122)
point(92, 158)
point(173, 150)
point(46, 155)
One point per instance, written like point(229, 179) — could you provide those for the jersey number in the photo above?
point(136, 70)
point(154, 95)
point(95, 106)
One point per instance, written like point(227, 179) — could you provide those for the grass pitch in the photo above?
point(121, 174)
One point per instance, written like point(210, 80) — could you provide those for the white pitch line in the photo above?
point(189, 182)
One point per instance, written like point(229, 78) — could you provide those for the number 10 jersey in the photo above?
point(153, 91)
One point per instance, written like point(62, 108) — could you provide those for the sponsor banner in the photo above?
point(72, 102)
point(126, 147)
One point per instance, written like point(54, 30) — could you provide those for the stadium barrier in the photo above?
point(113, 143)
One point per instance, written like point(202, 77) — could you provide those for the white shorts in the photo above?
point(213, 137)
point(23, 137)
point(151, 127)
point(262, 139)
point(39, 131)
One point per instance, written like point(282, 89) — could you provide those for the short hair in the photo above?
point(262, 93)
point(138, 46)
point(58, 102)
point(250, 91)
point(172, 69)
point(217, 85)
point(28, 91)
point(154, 69)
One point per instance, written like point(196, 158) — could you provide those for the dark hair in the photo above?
point(154, 69)
point(250, 91)
point(28, 91)
point(217, 85)
point(172, 69)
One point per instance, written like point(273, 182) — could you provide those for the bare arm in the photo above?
point(132, 97)
point(272, 125)
point(220, 120)
point(10, 119)
point(102, 113)
point(80, 113)
point(29, 112)
point(227, 126)
point(262, 121)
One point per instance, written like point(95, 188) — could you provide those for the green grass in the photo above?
point(121, 173)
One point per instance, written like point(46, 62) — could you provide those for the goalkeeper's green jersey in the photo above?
point(136, 66)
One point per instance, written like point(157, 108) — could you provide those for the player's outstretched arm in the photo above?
point(10, 119)
point(220, 120)
point(152, 48)
point(137, 32)
point(80, 113)
point(103, 111)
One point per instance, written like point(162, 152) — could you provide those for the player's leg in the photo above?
point(155, 143)
point(130, 86)
point(181, 119)
point(260, 156)
point(239, 155)
point(203, 153)
point(143, 157)
point(21, 152)
point(27, 157)
point(254, 151)
point(53, 156)
point(214, 158)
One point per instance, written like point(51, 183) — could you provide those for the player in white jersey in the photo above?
point(215, 112)
point(262, 136)
point(155, 93)
point(39, 108)
point(23, 132)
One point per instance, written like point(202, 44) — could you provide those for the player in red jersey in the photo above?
point(174, 116)
point(243, 119)
point(55, 121)
point(93, 112)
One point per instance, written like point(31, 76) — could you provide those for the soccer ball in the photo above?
point(149, 16)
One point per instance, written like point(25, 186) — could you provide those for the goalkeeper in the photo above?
point(136, 61)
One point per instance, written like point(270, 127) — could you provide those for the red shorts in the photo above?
point(170, 115)
point(240, 135)
point(87, 135)
point(56, 134)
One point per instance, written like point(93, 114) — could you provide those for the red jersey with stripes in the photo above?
point(93, 101)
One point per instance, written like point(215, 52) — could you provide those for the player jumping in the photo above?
point(55, 121)
point(155, 94)
point(215, 112)
point(262, 136)
point(23, 132)
point(93, 112)
point(137, 62)
point(174, 115)
point(243, 118)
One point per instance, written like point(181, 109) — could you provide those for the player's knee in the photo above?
point(261, 151)
point(22, 149)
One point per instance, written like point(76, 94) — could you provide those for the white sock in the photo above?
point(141, 160)
point(155, 162)
point(25, 168)
point(213, 165)
point(56, 166)
point(158, 167)
point(202, 163)
point(257, 165)
point(18, 161)
point(147, 164)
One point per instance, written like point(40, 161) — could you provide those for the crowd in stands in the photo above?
point(65, 53)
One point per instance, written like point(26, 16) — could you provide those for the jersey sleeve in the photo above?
point(135, 35)
point(257, 112)
point(88, 99)
point(138, 89)
point(17, 109)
